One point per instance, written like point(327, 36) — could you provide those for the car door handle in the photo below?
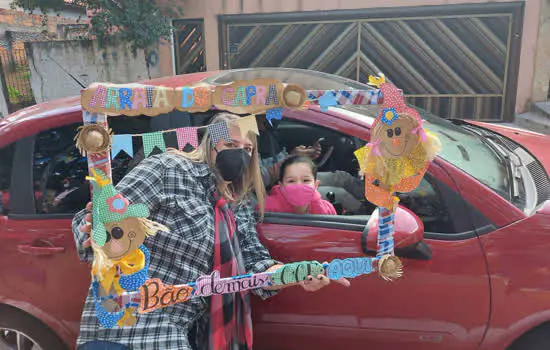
point(32, 250)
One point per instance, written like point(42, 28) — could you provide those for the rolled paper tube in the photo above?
point(385, 232)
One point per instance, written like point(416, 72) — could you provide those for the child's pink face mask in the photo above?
point(298, 195)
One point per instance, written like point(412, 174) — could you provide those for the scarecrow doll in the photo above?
point(121, 260)
point(395, 160)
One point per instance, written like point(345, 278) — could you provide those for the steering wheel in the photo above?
point(323, 158)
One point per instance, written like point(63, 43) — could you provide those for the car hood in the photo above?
point(536, 143)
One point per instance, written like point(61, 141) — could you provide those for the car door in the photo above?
point(441, 303)
point(38, 252)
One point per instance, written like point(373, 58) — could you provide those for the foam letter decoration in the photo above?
point(128, 99)
point(125, 95)
point(240, 97)
point(161, 99)
point(140, 98)
point(112, 99)
point(99, 96)
point(194, 99)
point(395, 160)
point(230, 97)
point(295, 272)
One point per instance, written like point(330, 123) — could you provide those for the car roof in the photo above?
point(40, 116)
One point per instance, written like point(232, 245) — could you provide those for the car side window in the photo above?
point(59, 170)
point(426, 201)
point(6, 164)
point(341, 184)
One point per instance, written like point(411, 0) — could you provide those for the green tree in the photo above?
point(139, 23)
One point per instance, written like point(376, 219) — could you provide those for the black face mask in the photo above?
point(232, 163)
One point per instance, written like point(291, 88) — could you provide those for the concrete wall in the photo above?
point(209, 10)
point(541, 80)
point(53, 63)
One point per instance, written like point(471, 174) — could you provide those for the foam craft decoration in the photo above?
point(154, 295)
point(395, 160)
point(121, 261)
point(128, 99)
point(92, 139)
point(193, 99)
point(255, 96)
point(243, 97)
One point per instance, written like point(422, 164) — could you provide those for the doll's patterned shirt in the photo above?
point(178, 193)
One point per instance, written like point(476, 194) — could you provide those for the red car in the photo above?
point(474, 237)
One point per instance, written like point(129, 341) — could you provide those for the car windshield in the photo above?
point(461, 148)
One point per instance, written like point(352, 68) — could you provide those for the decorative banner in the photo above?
point(187, 136)
point(218, 131)
point(248, 124)
point(122, 143)
point(153, 294)
point(128, 99)
point(253, 96)
point(349, 268)
point(194, 99)
point(150, 140)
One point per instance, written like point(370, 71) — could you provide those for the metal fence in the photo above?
point(16, 79)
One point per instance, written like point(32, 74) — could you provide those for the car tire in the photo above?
point(13, 320)
point(536, 339)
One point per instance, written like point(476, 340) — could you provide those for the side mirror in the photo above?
point(408, 237)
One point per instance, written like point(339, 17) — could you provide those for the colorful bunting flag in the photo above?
point(218, 131)
point(187, 136)
point(327, 100)
point(122, 143)
point(150, 140)
point(274, 113)
point(247, 124)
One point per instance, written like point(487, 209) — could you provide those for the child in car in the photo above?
point(297, 190)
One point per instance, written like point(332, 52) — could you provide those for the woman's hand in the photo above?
point(87, 227)
point(314, 284)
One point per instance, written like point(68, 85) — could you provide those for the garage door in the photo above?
point(457, 61)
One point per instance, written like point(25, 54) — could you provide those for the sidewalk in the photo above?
point(538, 119)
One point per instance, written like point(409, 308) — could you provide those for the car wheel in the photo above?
point(20, 331)
point(536, 339)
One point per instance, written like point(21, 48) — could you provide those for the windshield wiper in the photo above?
point(503, 152)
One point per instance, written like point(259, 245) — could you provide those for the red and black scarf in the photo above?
point(230, 318)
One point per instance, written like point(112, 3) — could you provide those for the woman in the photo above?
point(186, 192)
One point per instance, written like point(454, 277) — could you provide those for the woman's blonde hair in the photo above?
point(252, 179)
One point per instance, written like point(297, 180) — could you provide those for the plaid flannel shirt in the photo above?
point(177, 192)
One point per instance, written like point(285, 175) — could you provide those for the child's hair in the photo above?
point(295, 160)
